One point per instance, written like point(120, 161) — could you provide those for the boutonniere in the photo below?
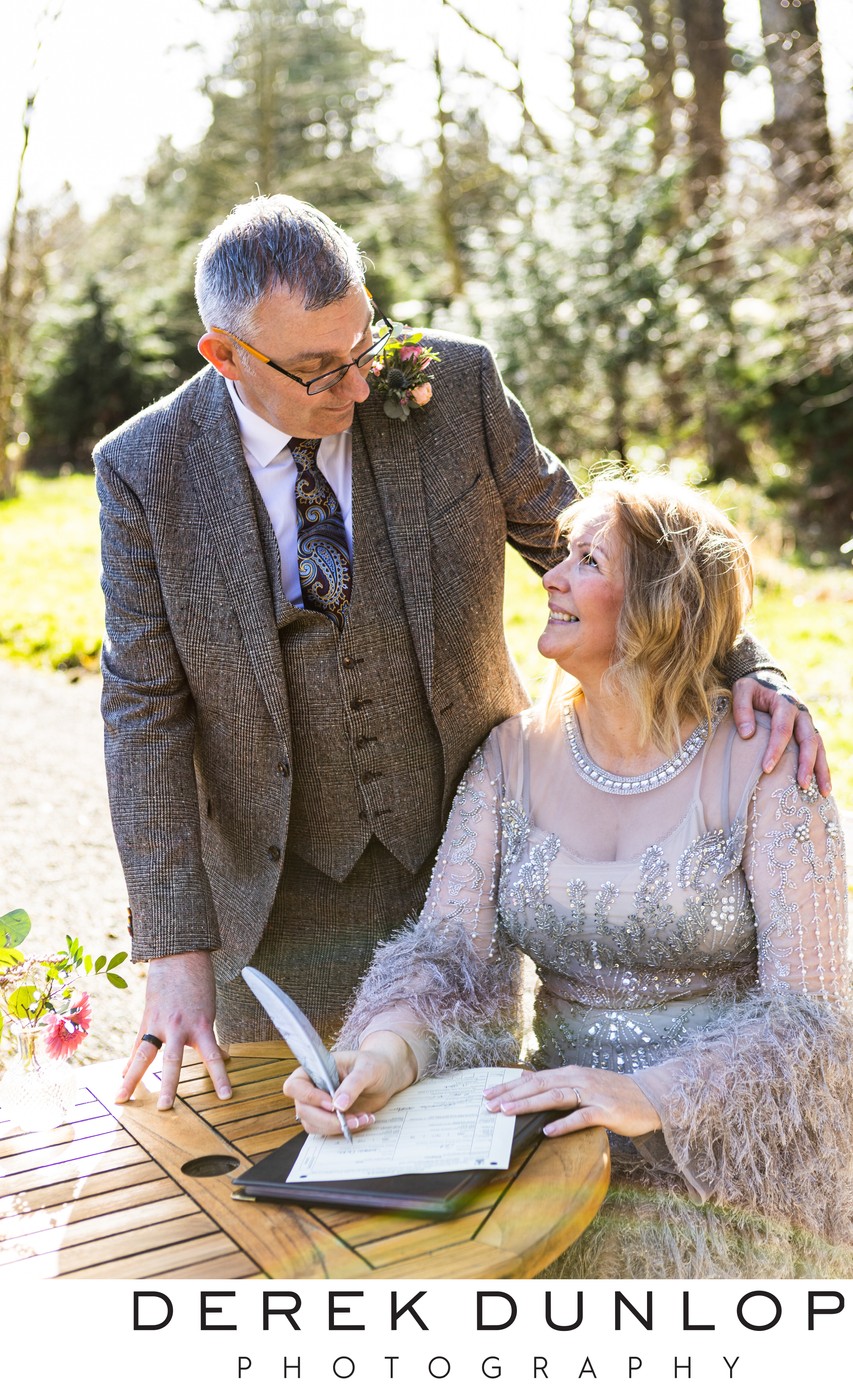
point(400, 375)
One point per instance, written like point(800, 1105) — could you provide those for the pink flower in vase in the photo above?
point(64, 1033)
point(422, 394)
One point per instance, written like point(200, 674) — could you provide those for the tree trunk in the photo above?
point(709, 56)
point(444, 199)
point(659, 59)
point(10, 326)
point(579, 25)
point(265, 109)
point(726, 453)
point(706, 43)
point(15, 300)
point(618, 392)
point(798, 136)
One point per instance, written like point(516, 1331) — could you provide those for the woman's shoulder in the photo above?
point(506, 739)
point(736, 763)
point(516, 749)
point(750, 750)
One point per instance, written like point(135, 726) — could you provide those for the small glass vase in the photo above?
point(36, 1092)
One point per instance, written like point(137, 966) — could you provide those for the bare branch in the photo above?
point(518, 90)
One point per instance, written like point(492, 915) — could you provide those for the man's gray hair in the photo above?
point(267, 244)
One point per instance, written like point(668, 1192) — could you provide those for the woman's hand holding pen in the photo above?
point(382, 1066)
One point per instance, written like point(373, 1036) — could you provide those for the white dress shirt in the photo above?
point(270, 462)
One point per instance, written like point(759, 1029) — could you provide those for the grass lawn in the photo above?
point(51, 612)
point(51, 609)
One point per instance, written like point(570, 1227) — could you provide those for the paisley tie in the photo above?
point(325, 569)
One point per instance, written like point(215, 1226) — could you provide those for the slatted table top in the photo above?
point(106, 1196)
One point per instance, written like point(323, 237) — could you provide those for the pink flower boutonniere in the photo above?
point(400, 375)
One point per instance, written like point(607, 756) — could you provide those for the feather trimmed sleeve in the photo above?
point(450, 983)
point(758, 1111)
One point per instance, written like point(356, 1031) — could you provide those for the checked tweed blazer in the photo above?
point(194, 702)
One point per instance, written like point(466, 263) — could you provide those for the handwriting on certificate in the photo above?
point(437, 1124)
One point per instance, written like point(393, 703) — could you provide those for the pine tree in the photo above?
point(92, 382)
point(293, 110)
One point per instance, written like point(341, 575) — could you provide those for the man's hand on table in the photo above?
point(789, 717)
point(180, 1004)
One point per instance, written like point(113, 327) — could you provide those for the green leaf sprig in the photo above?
point(32, 989)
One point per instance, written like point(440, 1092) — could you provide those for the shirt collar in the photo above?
point(260, 438)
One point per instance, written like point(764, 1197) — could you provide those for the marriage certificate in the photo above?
point(437, 1124)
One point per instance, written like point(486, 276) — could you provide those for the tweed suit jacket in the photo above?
point(197, 732)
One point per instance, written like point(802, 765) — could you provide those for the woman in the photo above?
point(686, 914)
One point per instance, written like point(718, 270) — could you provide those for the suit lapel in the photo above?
point(223, 486)
point(390, 448)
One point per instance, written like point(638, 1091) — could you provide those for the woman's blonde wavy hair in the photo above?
point(688, 587)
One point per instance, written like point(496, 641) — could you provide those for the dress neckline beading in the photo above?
point(612, 784)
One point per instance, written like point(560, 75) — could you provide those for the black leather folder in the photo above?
point(441, 1194)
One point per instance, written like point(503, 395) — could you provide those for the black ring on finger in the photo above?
point(153, 1040)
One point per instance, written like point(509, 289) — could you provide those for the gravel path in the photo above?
point(57, 855)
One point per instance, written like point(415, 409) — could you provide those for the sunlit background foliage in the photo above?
point(666, 276)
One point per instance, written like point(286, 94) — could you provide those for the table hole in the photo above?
point(204, 1166)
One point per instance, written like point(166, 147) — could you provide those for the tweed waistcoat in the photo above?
point(365, 751)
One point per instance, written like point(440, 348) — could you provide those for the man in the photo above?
point(304, 633)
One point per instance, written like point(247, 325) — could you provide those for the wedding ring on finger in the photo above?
point(577, 1095)
point(153, 1040)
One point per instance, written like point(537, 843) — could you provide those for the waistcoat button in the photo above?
point(274, 853)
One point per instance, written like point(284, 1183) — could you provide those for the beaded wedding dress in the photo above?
point(687, 929)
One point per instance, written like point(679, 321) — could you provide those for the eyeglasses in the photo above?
point(329, 378)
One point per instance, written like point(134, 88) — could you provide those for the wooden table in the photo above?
point(107, 1195)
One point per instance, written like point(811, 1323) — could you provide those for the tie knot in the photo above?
point(304, 451)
